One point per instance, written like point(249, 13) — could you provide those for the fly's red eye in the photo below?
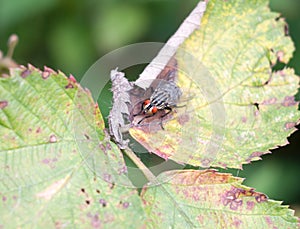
point(154, 110)
point(146, 102)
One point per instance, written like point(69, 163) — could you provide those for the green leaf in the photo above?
point(208, 199)
point(57, 167)
point(234, 108)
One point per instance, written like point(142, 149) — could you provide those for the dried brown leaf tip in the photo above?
point(119, 114)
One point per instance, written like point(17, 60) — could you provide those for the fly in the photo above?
point(164, 98)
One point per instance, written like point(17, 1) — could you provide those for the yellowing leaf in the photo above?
point(208, 199)
point(238, 108)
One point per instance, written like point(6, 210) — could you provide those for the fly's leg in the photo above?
point(169, 110)
point(148, 116)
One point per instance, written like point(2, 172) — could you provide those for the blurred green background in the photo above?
point(71, 35)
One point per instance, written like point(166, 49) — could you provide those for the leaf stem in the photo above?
point(151, 178)
point(147, 173)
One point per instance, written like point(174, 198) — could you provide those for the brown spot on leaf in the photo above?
point(237, 222)
point(286, 29)
point(25, 73)
point(222, 164)
point(269, 101)
point(98, 191)
point(207, 176)
point(50, 70)
point(107, 177)
point(103, 202)
point(108, 146)
point(72, 79)
point(112, 185)
point(125, 205)
point(254, 155)
point(257, 154)
point(71, 82)
point(45, 75)
point(69, 85)
point(102, 147)
point(52, 138)
point(289, 125)
point(122, 170)
point(50, 162)
point(250, 205)
point(3, 104)
point(280, 55)
point(200, 219)
point(234, 205)
point(87, 202)
point(260, 197)
point(46, 161)
point(82, 190)
point(233, 197)
point(205, 163)
point(269, 220)
point(95, 221)
point(244, 119)
point(59, 224)
point(289, 101)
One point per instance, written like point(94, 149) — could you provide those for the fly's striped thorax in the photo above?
point(160, 99)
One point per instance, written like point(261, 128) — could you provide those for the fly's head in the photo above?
point(148, 108)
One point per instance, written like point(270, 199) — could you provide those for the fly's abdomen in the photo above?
point(166, 94)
